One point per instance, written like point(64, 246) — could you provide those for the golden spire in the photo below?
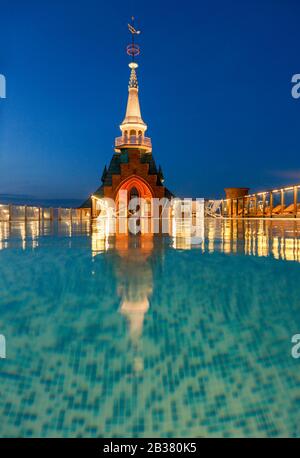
point(133, 127)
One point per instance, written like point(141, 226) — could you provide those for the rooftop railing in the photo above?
point(133, 140)
point(275, 203)
point(12, 213)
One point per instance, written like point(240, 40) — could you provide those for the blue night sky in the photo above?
point(215, 91)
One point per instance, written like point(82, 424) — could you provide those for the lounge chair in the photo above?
point(289, 210)
point(277, 210)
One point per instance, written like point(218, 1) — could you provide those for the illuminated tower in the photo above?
point(132, 167)
point(133, 127)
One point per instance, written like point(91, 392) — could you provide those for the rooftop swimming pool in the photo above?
point(150, 336)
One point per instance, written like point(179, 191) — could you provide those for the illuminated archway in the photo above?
point(136, 187)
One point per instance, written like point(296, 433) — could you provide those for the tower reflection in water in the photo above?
point(133, 271)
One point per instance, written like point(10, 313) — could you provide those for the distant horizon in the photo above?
point(19, 199)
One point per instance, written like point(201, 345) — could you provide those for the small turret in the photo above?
point(160, 174)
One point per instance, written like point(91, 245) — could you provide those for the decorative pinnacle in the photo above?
point(104, 173)
point(133, 82)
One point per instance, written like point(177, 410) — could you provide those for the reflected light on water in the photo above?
point(277, 238)
point(133, 273)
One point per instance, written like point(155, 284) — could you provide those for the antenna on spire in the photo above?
point(133, 49)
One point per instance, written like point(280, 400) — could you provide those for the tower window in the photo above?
point(133, 193)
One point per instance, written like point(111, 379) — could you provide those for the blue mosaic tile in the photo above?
point(154, 340)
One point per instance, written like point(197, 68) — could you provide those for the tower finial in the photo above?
point(133, 49)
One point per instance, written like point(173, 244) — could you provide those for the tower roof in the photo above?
point(133, 115)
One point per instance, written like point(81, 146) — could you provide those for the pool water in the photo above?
point(147, 336)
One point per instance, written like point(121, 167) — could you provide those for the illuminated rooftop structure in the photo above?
point(132, 168)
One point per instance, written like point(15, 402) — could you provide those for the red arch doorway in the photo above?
point(138, 188)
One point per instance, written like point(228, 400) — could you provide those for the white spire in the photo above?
point(133, 127)
point(133, 119)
